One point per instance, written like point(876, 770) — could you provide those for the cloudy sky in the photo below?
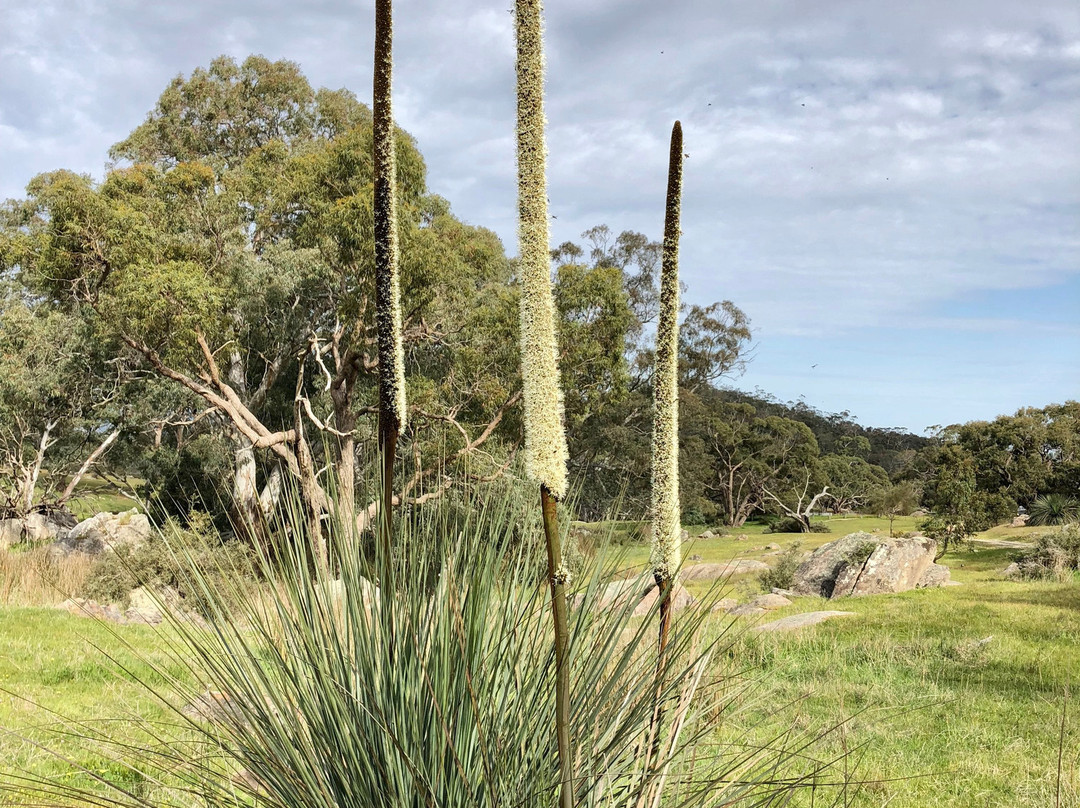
point(890, 191)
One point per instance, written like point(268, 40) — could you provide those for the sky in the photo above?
point(891, 192)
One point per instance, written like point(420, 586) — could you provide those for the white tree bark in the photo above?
point(95, 455)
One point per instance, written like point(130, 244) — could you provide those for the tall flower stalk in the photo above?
point(665, 511)
point(545, 438)
point(392, 407)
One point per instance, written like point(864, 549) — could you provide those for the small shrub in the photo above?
point(694, 516)
point(859, 554)
point(782, 575)
point(159, 563)
point(1055, 556)
point(789, 524)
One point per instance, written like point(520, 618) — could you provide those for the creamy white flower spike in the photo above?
point(665, 510)
point(387, 282)
point(545, 437)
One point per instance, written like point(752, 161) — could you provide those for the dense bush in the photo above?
point(694, 516)
point(782, 575)
point(1055, 556)
point(184, 482)
point(166, 559)
point(789, 524)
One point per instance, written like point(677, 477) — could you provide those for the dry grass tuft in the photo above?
point(37, 578)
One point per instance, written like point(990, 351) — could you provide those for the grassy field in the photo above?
point(58, 671)
point(949, 697)
point(94, 495)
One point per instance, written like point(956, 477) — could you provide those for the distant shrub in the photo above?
point(861, 552)
point(159, 564)
point(782, 575)
point(1055, 556)
point(694, 516)
point(789, 524)
point(786, 524)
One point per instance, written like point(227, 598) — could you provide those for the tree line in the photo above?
point(202, 319)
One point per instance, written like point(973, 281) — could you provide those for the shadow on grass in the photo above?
point(982, 559)
point(1060, 596)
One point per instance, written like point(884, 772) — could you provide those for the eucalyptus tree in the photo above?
point(608, 294)
point(230, 251)
point(747, 456)
point(58, 413)
point(853, 482)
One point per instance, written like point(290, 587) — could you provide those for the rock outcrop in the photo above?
point(105, 532)
point(798, 621)
point(867, 564)
point(713, 571)
point(36, 527)
point(936, 575)
point(760, 605)
point(11, 532)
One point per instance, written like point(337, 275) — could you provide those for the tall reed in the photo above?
point(392, 403)
point(545, 438)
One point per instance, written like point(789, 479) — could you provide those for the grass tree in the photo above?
point(665, 511)
point(392, 405)
point(545, 438)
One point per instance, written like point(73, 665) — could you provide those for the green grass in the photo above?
point(935, 717)
point(94, 495)
point(924, 694)
point(932, 716)
point(54, 664)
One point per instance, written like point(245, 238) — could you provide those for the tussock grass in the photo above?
point(33, 577)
